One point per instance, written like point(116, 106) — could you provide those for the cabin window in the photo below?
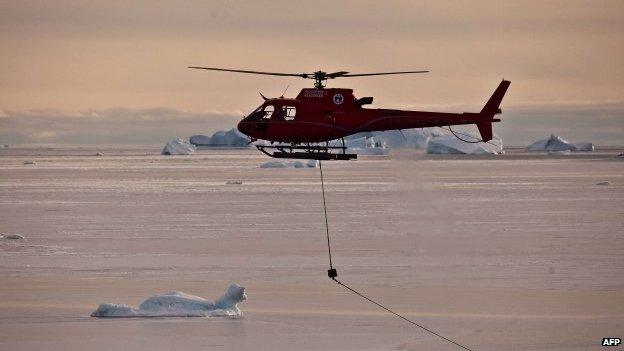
point(268, 111)
point(289, 112)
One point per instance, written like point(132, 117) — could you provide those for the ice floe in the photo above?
point(449, 144)
point(232, 138)
point(290, 164)
point(178, 147)
point(11, 236)
point(179, 304)
point(556, 143)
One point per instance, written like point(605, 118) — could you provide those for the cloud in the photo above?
point(116, 126)
point(74, 55)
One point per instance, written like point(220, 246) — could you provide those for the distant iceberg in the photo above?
point(380, 143)
point(556, 143)
point(178, 147)
point(200, 140)
point(584, 146)
point(178, 304)
point(449, 144)
point(232, 138)
point(416, 138)
point(365, 144)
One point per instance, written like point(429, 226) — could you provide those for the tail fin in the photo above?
point(485, 129)
point(490, 109)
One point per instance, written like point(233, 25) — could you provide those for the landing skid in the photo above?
point(307, 152)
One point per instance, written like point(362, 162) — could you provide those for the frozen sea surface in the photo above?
point(508, 252)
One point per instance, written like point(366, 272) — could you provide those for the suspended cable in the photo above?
point(332, 273)
point(465, 134)
point(331, 267)
point(468, 135)
point(398, 315)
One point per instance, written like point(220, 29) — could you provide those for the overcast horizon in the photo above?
point(112, 72)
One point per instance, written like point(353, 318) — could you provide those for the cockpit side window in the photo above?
point(289, 112)
point(268, 111)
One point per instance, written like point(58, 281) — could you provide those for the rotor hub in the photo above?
point(320, 78)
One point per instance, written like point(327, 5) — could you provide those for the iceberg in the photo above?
point(560, 152)
point(200, 140)
point(365, 144)
point(449, 144)
point(178, 304)
point(380, 143)
point(232, 138)
point(584, 146)
point(556, 143)
point(409, 138)
point(178, 147)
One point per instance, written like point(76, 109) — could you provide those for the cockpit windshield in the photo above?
point(274, 113)
point(262, 112)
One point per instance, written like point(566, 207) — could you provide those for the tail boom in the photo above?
point(383, 119)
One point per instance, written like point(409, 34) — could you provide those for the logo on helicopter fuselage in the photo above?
point(338, 99)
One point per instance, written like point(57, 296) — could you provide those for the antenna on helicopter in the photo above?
point(285, 90)
point(320, 77)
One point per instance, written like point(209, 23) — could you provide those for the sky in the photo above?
point(108, 72)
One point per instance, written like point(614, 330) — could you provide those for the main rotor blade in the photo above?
point(336, 74)
point(302, 75)
point(379, 74)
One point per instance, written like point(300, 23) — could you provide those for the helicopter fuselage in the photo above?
point(320, 115)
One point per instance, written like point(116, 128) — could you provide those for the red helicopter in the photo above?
point(303, 127)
